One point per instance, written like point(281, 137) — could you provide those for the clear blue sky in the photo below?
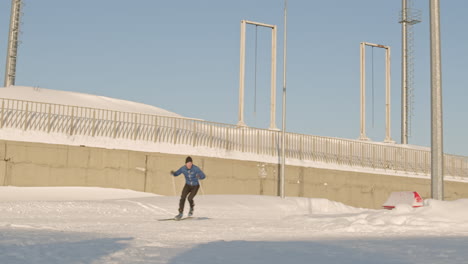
point(183, 56)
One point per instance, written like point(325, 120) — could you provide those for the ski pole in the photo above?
point(201, 188)
point(173, 185)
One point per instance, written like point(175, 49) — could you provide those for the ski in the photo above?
point(174, 219)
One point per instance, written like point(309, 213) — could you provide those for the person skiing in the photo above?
point(192, 175)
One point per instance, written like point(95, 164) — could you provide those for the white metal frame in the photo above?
point(363, 136)
point(242, 73)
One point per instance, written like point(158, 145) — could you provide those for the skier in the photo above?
point(192, 174)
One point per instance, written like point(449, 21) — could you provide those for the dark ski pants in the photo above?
point(188, 189)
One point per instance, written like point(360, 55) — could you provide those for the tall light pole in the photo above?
point(10, 68)
point(404, 72)
point(437, 153)
point(283, 128)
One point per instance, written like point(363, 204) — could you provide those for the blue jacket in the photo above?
point(191, 175)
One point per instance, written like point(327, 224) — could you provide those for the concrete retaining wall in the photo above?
point(38, 164)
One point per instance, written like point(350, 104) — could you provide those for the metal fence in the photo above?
point(75, 120)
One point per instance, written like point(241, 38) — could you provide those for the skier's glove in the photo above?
point(172, 172)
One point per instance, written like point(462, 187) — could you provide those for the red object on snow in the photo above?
point(409, 198)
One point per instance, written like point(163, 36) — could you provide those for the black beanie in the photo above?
point(188, 159)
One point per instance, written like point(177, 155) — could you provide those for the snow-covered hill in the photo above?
point(79, 99)
point(94, 225)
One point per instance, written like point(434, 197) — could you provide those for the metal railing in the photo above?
point(93, 122)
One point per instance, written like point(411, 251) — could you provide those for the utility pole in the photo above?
point(10, 69)
point(283, 127)
point(437, 153)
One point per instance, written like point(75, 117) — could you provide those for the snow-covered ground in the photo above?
point(95, 225)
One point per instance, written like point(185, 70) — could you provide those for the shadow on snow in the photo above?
point(364, 251)
point(45, 246)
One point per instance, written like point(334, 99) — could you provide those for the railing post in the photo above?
point(115, 125)
point(242, 140)
point(272, 144)
point(373, 156)
point(405, 161)
point(415, 161)
point(135, 127)
point(327, 150)
point(3, 111)
point(452, 164)
point(194, 139)
point(312, 149)
point(26, 117)
point(386, 165)
point(339, 159)
point(71, 121)
point(211, 136)
point(94, 122)
point(426, 157)
point(175, 130)
point(155, 134)
point(461, 168)
point(258, 142)
point(227, 138)
point(300, 146)
point(362, 155)
point(49, 122)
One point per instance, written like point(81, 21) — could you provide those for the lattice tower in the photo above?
point(409, 16)
point(12, 52)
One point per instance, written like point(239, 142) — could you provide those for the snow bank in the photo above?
point(451, 211)
point(436, 217)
